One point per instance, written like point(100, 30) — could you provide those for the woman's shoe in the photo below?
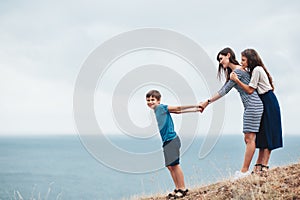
point(239, 174)
point(257, 169)
point(264, 170)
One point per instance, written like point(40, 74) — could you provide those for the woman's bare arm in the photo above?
point(247, 88)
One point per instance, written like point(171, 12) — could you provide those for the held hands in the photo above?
point(202, 105)
point(200, 109)
point(233, 76)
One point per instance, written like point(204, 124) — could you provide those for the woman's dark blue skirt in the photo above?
point(270, 132)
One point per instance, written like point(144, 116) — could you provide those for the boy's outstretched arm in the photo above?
point(184, 109)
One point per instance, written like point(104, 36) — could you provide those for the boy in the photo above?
point(171, 142)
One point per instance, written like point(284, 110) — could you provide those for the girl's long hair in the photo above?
point(232, 59)
point(254, 60)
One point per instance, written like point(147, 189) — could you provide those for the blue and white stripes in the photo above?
point(252, 103)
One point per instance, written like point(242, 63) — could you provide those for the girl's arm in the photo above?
point(223, 91)
point(247, 88)
point(184, 109)
point(204, 104)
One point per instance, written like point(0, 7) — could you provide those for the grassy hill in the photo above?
point(277, 183)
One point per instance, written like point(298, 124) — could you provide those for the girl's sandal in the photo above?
point(181, 193)
point(257, 169)
point(264, 170)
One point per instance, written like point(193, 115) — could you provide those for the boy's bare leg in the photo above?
point(173, 175)
point(179, 177)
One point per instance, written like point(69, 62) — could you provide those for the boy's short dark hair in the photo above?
point(153, 93)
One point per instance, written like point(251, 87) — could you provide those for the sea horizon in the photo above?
point(60, 167)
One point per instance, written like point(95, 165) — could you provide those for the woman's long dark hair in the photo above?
point(232, 59)
point(254, 60)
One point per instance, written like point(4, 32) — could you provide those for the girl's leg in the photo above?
point(250, 149)
point(259, 161)
point(266, 157)
point(260, 156)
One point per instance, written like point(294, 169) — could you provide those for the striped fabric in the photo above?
point(253, 107)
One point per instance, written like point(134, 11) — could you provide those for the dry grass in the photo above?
point(277, 183)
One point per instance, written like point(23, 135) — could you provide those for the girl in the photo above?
point(253, 107)
point(270, 133)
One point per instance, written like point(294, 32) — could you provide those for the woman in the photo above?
point(270, 133)
point(253, 107)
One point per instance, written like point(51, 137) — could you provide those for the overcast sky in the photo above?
point(43, 45)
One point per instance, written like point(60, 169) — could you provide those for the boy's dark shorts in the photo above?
point(171, 152)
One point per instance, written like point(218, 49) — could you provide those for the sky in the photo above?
point(43, 45)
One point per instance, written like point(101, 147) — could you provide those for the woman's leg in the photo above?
point(250, 149)
point(266, 157)
point(260, 156)
point(259, 161)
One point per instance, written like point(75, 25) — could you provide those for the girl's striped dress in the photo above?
point(253, 106)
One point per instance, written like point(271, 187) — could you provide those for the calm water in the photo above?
point(61, 168)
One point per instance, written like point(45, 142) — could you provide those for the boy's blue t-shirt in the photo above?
point(165, 123)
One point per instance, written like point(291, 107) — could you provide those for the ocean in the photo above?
point(60, 167)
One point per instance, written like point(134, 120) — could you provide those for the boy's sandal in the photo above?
point(172, 194)
point(181, 193)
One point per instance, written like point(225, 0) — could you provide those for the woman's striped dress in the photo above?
point(253, 106)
